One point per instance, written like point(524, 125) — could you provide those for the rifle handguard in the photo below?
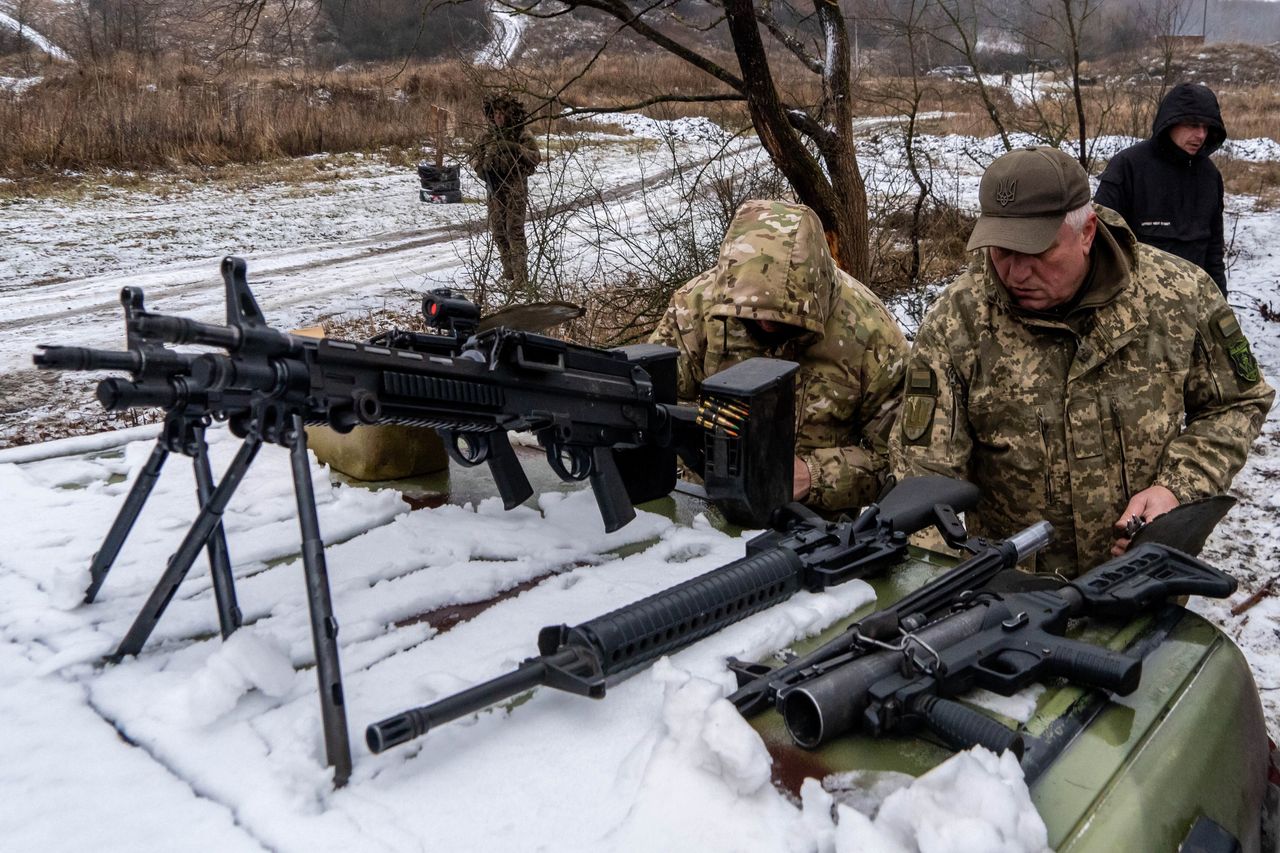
point(675, 618)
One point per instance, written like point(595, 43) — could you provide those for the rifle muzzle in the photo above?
point(83, 358)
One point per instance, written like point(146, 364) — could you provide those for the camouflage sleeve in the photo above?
point(852, 476)
point(844, 477)
point(932, 434)
point(688, 365)
point(1226, 399)
point(529, 156)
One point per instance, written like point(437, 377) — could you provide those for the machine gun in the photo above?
point(1000, 642)
point(605, 416)
point(802, 552)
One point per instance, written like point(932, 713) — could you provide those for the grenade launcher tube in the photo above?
point(821, 708)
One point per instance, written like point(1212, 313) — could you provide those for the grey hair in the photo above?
point(1078, 217)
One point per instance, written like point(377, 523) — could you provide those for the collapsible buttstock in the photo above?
point(1145, 576)
point(909, 505)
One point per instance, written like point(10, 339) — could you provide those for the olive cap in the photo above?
point(1025, 195)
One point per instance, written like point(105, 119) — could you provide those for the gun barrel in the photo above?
point(578, 659)
point(117, 395)
point(407, 725)
point(180, 330)
point(84, 358)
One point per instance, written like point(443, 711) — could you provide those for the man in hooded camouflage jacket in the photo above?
point(1075, 374)
point(776, 291)
point(504, 158)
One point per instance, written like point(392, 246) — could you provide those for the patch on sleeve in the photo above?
point(919, 405)
point(1233, 342)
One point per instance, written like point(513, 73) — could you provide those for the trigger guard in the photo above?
point(580, 462)
point(478, 442)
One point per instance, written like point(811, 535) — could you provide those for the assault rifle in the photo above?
point(802, 551)
point(1002, 642)
point(605, 416)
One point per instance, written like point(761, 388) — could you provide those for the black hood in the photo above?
point(1189, 102)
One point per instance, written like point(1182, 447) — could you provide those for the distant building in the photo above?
point(1181, 41)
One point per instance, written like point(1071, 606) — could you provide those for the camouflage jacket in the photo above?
point(1149, 380)
point(775, 265)
point(504, 158)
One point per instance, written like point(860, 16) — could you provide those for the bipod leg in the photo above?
point(224, 590)
point(324, 628)
point(209, 517)
point(128, 514)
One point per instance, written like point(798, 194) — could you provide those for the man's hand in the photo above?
point(802, 480)
point(1145, 505)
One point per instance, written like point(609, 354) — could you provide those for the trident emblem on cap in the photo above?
point(1005, 192)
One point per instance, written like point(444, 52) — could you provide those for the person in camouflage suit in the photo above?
point(776, 291)
point(1075, 374)
point(504, 158)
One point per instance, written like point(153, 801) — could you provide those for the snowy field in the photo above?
point(199, 744)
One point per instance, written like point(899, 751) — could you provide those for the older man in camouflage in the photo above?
point(1075, 374)
point(777, 292)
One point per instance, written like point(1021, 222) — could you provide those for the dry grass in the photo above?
point(126, 115)
point(138, 114)
point(1260, 180)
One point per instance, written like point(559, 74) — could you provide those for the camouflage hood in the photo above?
point(774, 265)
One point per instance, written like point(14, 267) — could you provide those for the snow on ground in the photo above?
point(354, 235)
point(508, 28)
point(10, 23)
point(224, 738)
point(17, 85)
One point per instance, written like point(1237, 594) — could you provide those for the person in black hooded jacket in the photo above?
point(1166, 187)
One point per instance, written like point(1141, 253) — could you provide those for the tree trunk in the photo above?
point(840, 202)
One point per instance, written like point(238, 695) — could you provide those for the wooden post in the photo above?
point(441, 118)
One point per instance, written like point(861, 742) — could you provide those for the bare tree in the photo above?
point(905, 91)
point(963, 18)
point(1165, 20)
point(811, 144)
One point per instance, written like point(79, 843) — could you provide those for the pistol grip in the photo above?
point(611, 493)
point(512, 482)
